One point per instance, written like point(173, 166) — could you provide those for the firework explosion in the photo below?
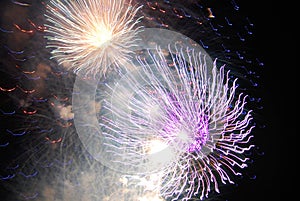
point(198, 137)
point(88, 36)
point(177, 119)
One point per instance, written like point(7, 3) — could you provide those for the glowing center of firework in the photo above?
point(183, 136)
point(159, 153)
point(191, 139)
point(156, 146)
point(100, 36)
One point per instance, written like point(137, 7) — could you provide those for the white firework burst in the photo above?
point(179, 118)
point(87, 36)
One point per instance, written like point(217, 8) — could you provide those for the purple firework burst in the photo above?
point(179, 117)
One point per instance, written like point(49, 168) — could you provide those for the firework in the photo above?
point(172, 116)
point(87, 36)
point(184, 120)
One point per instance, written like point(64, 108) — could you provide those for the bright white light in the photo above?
point(156, 146)
point(101, 36)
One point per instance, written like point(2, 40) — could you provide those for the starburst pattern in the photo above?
point(87, 36)
point(187, 123)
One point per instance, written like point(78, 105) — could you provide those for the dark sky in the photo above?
point(273, 37)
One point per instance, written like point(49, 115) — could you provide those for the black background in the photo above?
point(268, 185)
point(274, 37)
